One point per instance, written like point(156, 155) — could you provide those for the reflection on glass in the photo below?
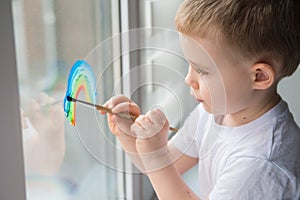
point(50, 35)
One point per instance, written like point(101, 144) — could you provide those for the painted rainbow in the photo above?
point(81, 79)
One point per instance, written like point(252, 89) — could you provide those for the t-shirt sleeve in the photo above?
point(251, 178)
point(185, 139)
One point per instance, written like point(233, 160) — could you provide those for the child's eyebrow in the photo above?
point(195, 65)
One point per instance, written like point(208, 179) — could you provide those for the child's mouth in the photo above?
point(193, 95)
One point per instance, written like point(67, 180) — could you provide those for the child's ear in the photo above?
point(263, 76)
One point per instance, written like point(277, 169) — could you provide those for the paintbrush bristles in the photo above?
point(70, 99)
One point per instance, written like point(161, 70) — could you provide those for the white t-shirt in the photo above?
point(258, 160)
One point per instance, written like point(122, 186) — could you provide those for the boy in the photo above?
point(242, 133)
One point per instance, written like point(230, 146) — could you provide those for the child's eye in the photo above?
point(199, 71)
point(202, 72)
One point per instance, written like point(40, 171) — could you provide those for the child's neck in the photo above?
point(249, 114)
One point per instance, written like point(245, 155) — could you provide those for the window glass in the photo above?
point(163, 69)
point(164, 64)
point(50, 35)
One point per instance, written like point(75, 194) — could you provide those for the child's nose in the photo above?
point(191, 79)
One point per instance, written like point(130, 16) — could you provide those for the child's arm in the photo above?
point(151, 143)
point(147, 148)
point(121, 127)
point(43, 136)
point(182, 161)
point(168, 184)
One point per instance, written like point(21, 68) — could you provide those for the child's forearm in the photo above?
point(168, 184)
point(164, 176)
point(128, 145)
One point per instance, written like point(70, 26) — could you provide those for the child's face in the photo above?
point(219, 81)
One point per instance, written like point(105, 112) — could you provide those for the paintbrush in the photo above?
point(108, 110)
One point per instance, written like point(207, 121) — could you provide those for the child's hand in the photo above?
point(46, 118)
point(43, 135)
point(119, 126)
point(152, 137)
point(151, 131)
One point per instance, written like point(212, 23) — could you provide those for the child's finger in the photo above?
point(137, 130)
point(119, 99)
point(44, 99)
point(107, 104)
point(144, 127)
point(157, 117)
point(127, 107)
point(123, 125)
point(111, 103)
point(144, 121)
point(33, 105)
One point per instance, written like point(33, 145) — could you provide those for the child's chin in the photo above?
point(213, 111)
point(207, 108)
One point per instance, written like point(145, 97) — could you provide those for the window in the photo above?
point(84, 162)
point(66, 162)
point(62, 161)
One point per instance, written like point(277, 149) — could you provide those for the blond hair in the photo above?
point(268, 29)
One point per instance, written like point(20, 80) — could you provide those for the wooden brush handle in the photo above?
point(123, 115)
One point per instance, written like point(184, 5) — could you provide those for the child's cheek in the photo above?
point(215, 94)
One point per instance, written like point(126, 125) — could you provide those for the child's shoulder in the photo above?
point(275, 136)
point(275, 141)
point(285, 127)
